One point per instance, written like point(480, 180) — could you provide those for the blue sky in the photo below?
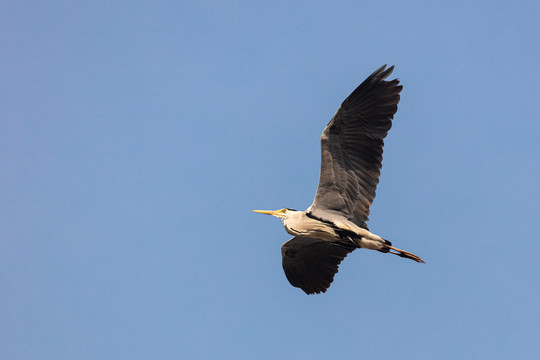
point(136, 138)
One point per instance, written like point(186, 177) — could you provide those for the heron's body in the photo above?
point(304, 223)
point(351, 154)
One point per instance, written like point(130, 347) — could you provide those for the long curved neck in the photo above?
point(294, 222)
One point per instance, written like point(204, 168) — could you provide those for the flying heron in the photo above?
point(351, 154)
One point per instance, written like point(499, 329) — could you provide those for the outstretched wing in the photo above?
point(352, 147)
point(310, 264)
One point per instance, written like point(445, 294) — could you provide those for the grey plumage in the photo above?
point(351, 155)
point(352, 147)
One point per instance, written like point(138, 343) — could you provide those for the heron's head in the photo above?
point(281, 213)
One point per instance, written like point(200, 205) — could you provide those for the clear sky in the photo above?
point(137, 136)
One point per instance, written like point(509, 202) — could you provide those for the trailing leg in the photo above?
point(404, 254)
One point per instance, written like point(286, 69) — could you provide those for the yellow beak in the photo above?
point(267, 212)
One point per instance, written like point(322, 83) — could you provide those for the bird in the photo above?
point(351, 160)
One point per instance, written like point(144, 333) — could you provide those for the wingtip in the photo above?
point(387, 72)
point(381, 69)
point(383, 72)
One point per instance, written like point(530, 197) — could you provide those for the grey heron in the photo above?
point(351, 154)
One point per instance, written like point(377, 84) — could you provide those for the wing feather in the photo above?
point(310, 264)
point(352, 147)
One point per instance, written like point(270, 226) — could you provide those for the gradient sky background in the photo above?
point(136, 138)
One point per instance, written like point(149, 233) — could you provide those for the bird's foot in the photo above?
point(405, 254)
